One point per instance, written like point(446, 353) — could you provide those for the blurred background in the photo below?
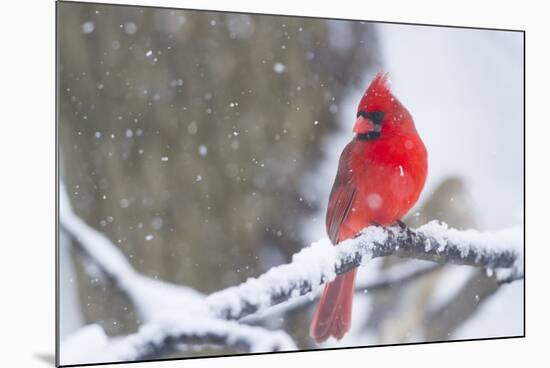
point(204, 145)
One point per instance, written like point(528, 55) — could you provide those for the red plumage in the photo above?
point(381, 173)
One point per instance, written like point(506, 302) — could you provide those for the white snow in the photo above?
point(203, 150)
point(88, 27)
point(278, 67)
point(130, 28)
point(91, 345)
point(148, 295)
point(155, 301)
point(86, 345)
point(167, 309)
point(312, 265)
point(467, 241)
point(94, 242)
point(316, 263)
point(154, 297)
point(69, 304)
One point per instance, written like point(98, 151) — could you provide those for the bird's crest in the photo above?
point(379, 85)
point(378, 95)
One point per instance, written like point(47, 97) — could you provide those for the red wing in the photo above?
point(341, 196)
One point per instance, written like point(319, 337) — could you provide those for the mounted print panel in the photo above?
point(235, 183)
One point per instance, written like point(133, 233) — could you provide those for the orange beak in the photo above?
point(363, 126)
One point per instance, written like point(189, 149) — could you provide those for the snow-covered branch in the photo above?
point(103, 258)
point(162, 337)
point(394, 276)
point(322, 262)
point(175, 316)
point(100, 253)
point(196, 319)
point(168, 334)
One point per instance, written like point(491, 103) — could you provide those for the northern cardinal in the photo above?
point(381, 173)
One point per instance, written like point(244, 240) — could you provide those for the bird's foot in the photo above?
point(410, 233)
point(401, 224)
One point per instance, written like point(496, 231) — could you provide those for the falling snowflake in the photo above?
point(203, 150)
point(88, 27)
point(278, 67)
point(130, 28)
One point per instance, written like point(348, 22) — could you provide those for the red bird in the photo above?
point(381, 173)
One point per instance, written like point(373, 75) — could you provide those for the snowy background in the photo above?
point(204, 146)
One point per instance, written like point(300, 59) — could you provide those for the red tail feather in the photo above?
point(333, 314)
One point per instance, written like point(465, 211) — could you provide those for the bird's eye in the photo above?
point(375, 116)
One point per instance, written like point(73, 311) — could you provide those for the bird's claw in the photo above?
point(401, 224)
point(410, 233)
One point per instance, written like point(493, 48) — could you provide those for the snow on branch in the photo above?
point(196, 319)
point(149, 296)
point(322, 262)
point(167, 335)
point(397, 275)
point(163, 336)
point(174, 315)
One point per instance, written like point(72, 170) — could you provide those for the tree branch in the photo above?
point(313, 266)
point(321, 262)
point(398, 275)
point(167, 335)
point(163, 336)
point(173, 314)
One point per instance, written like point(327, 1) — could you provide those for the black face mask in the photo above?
point(376, 117)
